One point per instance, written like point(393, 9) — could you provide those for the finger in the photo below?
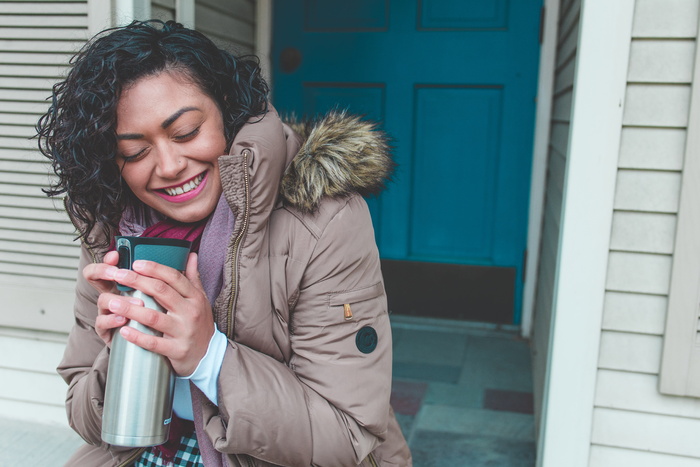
point(160, 290)
point(155, 344)
point(105, 323)
point(173, 349)
point(165, 282)
point(105, 298)
point(154, 319)
point(100, 276)
point(192, 271)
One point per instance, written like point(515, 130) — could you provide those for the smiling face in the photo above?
point(170, 135)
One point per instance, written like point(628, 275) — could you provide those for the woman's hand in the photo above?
point(187, 326)
point(101, 277)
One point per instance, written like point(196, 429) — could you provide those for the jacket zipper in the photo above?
point(236, 245)
point(132, 457)
point(372, 460)
point(246, 179)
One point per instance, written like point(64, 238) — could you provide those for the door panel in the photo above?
point(365, 99)
point(450, 14)
point(342, 15)
point(454, 84)
point(463, 156)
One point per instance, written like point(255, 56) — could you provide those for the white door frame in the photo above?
point(600, 82)
point(540, 152)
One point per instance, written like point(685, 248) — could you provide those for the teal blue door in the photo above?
point(454, 83)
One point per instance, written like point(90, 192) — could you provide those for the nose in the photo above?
point(170, 162)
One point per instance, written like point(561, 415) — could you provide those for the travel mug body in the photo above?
point(139, 390)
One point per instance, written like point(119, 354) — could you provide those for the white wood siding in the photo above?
point(32, 390)
point(230, 23)
point(633, 423)
point(605, 455)
point(556, 168)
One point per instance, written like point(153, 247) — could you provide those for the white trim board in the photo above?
point(185, 12)
point(263, 37)
point(126, 11)
point(587, 210)
point(545, 87)
point(99, 16)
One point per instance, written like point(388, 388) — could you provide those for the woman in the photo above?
point(278, 330)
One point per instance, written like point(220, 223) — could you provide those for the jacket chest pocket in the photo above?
point(359, 305)
point(351, 323)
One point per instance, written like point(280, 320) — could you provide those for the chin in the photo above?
point(194, 214)
point(188, 219)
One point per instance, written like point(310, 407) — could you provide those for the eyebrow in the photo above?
point(170, 120)
point(166, 123)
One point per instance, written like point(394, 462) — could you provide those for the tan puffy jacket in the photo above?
point(294, 388)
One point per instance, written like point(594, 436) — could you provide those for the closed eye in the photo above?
point(133, 157)
point(187, 136)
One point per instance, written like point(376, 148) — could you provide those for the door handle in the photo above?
point(290, 59)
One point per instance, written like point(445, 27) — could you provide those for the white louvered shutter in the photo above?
point(38, 257)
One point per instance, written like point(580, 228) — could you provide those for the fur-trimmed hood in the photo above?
point(340, 154)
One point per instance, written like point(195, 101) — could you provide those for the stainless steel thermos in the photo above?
point(139, 391)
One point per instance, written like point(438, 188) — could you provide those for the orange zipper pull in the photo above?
point(347, 312)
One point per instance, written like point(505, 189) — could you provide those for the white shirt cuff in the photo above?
point(206, 375)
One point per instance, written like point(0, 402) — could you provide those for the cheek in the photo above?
point(214, 149)
point(217, 142)
point(133, 178)
point(220, 144)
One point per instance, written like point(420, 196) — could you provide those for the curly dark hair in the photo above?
point(77, 133)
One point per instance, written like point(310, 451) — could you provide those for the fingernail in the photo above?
point(135, 301)
point(138, 264)
point(110, 272)
point(115, 305)
point(119, 319)
point(125, 331)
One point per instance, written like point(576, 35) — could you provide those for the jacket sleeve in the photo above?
point(330, 406)
point(84, 364)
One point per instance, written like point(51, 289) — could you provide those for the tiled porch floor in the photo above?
point(462, 393)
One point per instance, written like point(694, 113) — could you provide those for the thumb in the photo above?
point(192, 271)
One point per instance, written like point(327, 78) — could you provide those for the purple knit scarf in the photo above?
point(209, 239)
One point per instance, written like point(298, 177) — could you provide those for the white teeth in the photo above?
point(189, 186)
